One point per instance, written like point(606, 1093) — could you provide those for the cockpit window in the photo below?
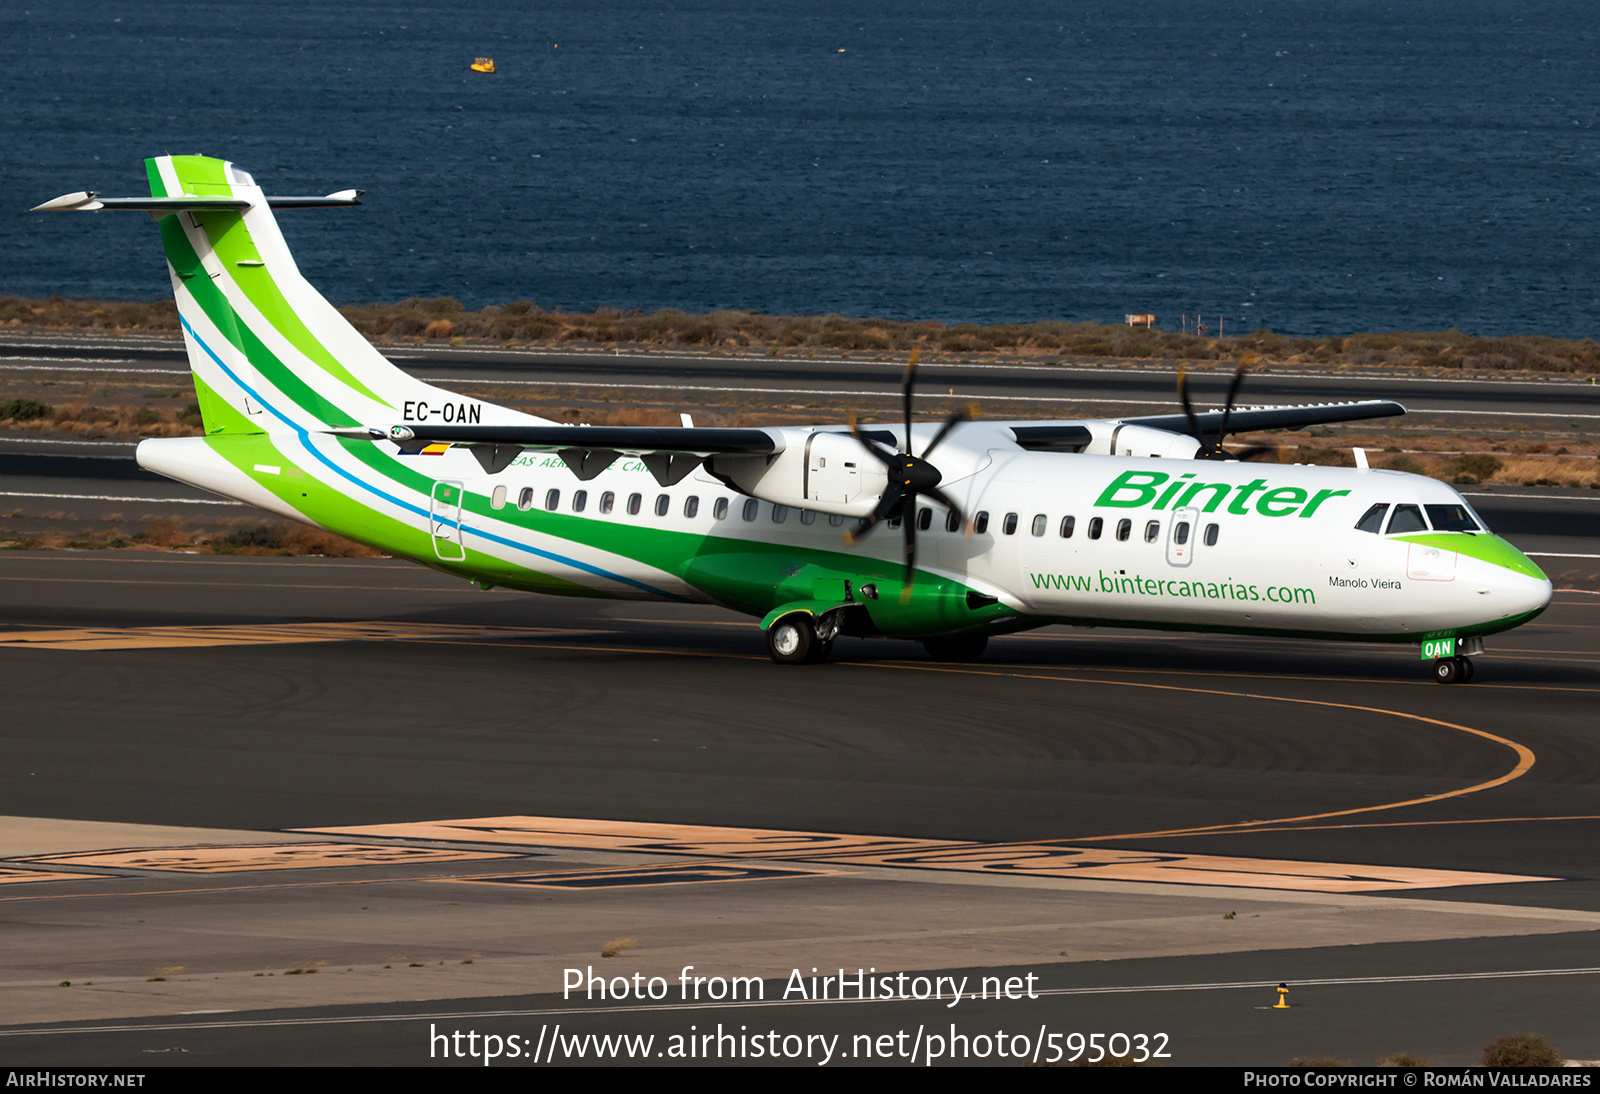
point(1372, 519)
point(1452, 518)
point(1406, 518)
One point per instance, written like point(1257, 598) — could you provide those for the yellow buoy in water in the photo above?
point(483, 64)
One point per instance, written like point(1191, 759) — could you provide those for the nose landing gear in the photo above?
point(1453, 670)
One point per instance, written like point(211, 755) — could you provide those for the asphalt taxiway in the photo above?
point(219, 771)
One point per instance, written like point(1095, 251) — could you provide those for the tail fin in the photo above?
point(268, 352)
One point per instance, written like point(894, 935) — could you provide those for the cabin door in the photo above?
point(444, 520)
point(1182, 532)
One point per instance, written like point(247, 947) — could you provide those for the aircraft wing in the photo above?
point(1247, 418)
point(670, 452)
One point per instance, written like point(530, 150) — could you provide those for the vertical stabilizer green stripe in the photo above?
point(230, 240)
point(220, 312)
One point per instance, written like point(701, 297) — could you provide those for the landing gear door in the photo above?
point(444, 520)
point(1182, 534)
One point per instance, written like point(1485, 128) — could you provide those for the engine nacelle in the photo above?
point(1117, 439)
point(827, 471)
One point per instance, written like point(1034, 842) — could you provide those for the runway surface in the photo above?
point(221, 748)
point(1554, 401)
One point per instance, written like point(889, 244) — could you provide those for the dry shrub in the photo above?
point(617, 945)
point(1521, 1050)
point(165, 532)
point(439, 328)
point(304, 540)
point(1550, 471)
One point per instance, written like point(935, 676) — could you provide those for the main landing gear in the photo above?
point(1453, 670)
point(794, 640)
point(801, 639)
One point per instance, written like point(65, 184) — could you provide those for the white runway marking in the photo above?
point(119, 497)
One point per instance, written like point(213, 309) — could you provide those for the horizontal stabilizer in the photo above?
point(1246, 419)
point(87, 201)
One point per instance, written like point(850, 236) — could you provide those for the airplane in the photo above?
point(1144, 522)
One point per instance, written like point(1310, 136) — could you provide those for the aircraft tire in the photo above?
point(792, 640)
point(963, 648)
point(1467, 669)
point(1446, 671)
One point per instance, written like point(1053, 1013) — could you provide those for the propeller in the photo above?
point(1212, 449)
point(910, 476)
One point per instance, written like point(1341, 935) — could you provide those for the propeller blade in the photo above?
point(962, 414)
point(1258, 450)
point(944, 499)
point(1227, 407)
point(908, 386)
point(891, 462)
point(1188, 407)
point(908, 521)
point(886, 508)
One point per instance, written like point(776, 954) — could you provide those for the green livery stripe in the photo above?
point(233, 245)
point(1484, 548)
point(330, 508)
point(217, 414)
point(231, 241)
point(197, 171)
point(215, 304)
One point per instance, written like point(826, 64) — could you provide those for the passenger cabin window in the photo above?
point(1406, 518)
point(1372, 519)
point(552, 498)
point(525, 498)
point(634, 502)
point(780, 513)
point(952, 521)
point(1452, 518)
point(691, 506)
point(924, 520)
point(497, 500)
point(1095, 525)
point(608, 501)
point(663, 502)
point(579, 500)
point(836, 519)
point(1180, 534)
point(1211, 535)
point(980, 523)
point(1010, 526)
point(751, 507)
point(1151, 531)
point(719, 511)
point(1067, 526)
point(1124, 530)
point(1040, 523)
point(808, 516)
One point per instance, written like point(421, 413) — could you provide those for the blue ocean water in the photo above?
point(1312, 167)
